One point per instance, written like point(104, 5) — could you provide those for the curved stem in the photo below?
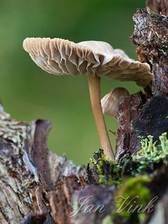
point(95, 98)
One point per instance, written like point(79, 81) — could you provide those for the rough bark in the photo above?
point(158, 6)
point(129, 108)
point(151, 38)
point(35, 184)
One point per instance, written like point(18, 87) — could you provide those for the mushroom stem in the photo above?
point(95, 98)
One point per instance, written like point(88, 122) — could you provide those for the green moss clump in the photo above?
point(149, 158)
point(107, 172)
point(132, 198)
point(131, 176)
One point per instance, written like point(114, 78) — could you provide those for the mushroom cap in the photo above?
point(59, 57)
point(111, 101)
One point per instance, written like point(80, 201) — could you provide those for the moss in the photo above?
point(151, 156)
point(107, 172)
point(131, 176)
point(132, 197)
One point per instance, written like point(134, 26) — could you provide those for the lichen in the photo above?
point(151, 150)
point(152, 154)
point(132, 177)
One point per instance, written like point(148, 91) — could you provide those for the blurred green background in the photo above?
point(29, 93)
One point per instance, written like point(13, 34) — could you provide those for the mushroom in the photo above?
point(125, 108)
point(94, 58)
point(110, 102)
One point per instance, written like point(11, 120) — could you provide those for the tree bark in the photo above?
point(35, 185)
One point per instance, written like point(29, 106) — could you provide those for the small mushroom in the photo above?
point(94, 58)
point(117, 105)
point(110, 102)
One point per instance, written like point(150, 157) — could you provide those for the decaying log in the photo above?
point(35, 184)
point(93, 204)
point(151, 38)
point(151, 109)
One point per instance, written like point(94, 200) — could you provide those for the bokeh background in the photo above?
point(29, 93)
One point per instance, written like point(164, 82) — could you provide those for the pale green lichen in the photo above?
point(151, 150)
point(152, 154)
point(131, 176)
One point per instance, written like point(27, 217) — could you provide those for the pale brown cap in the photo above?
point(60, 57)
point(111, 101)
